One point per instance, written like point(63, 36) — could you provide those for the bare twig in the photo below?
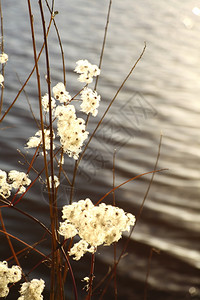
point(88, 297)
point(9, 241)
point(115, 244)
point(104, 42)
point(141, 207)
point(2, 50)
point(125, 182)
point(27, 80)
point(102, 118)
point(148, 270)
point(59, 40)
point(22, 242)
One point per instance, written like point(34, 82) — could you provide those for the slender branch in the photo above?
point(125, 182)
point(105, 113)
point(22, 242)
point(71, 273)
point(104, 42)
point(115, 244)
point(148, 271)
point(10, 205)
point(59, 40)
point(9, 241)
point(91, 277)
point(52, 191)
point(151, 181)
point(32, 183)
point(28, 78)
point(2, 50)
point(29, 104)
point(141, 207)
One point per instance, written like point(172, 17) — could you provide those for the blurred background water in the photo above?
point(162, 95)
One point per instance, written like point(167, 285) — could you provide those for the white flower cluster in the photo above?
point(34, 141)
point(1, 79)
point(86, 70)
point(71, 130)
point(90, 101)
point(32, 290)
point(8, 275)
point(55, 181)
point(13, 180)
point(3, 60)
point(96, 225)
point(45, 102)
point(61, 94)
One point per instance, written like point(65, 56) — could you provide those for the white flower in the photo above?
point(18, 179)
point(14, 274)
point(95, 225)
point(86, 70)
point(79, 249)
point(5, 188)
point(21, 190)
point(55, 181)
point(71, 130)
point(90, 101)
point(3, 58)
point(45, 102)
point(3, 176)
point(34, 141)
point(8, 275)
point(32, 290)
point(83, 66)
point(1, 79)
point(85, 77)
point(86, 279)
point(67, 230)
point(60, 93)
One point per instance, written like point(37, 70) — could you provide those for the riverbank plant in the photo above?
point(84, 224)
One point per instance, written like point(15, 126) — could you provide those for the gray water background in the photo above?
point(162, 96)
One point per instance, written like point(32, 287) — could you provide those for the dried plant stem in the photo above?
point(115, 244)
point(125, 182)
point(102, 118)
point(8, 239)
point(88, 297)
point(32, 183)
point(95, 87)
point(52, 287)
point(29, 104)
point(71, 272)
point(148, 270)
point(39, 91)
point(56, 291)
point(66, 265)
point(10, 205)
point(28, 78)
point(2, 50)
point(73, 182)
point(59, 41)
point(138, 216)
point(151, 181)
point(26, 249)
point(24, 243)
point(105, 113)
point(104, 42)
